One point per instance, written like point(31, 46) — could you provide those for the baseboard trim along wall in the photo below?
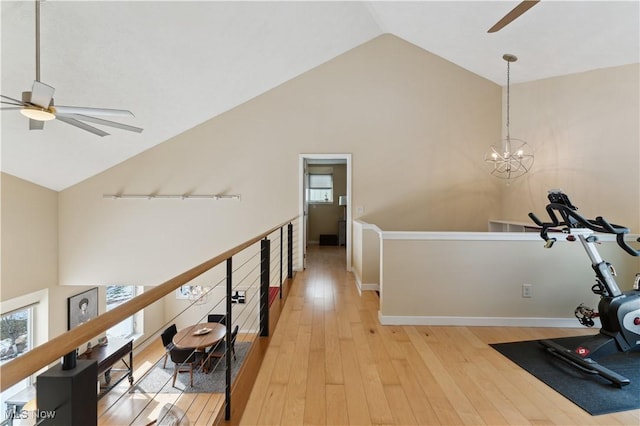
point(370, 287)
point(484, 321)
point(364, 287)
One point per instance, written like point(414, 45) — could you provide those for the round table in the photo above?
point(188, 338)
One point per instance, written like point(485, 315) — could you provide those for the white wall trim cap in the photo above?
point(460, 236)
point(479, 236)
point(365, 225)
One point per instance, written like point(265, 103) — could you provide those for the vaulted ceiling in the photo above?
point(178, 64)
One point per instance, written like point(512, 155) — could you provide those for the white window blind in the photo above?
point(321, 188)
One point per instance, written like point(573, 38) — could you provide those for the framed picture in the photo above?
point(82, 307)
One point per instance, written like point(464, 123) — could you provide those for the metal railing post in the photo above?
point(227, 389)
point(265, 255)
point(281, 256)
point(290, 250)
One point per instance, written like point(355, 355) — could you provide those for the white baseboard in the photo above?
point(364, 287)
point(483, 321)
point(370, 287)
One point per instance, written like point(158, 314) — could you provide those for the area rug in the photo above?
point(273, 293)
point(592, 393)
point(159, 379)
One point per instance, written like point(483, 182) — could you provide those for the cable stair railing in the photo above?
point(237, 283)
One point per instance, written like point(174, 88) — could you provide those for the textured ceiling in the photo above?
point(178, 64)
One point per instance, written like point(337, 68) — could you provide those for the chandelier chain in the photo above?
point(508, 96)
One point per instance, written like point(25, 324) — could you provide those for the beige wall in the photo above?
point(483, 281)
point(30, 258)
point(29, 247)
point(366, 255)
point(30, 255)
point(585, 129)
point(402, 113)
point(29, 237)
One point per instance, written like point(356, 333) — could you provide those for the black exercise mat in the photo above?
point(590, 392)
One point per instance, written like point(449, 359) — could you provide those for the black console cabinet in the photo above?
point(70, 395)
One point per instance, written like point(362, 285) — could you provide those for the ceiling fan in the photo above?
point(513, 14)
point(38, 104)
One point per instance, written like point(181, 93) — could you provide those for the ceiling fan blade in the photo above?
point(511, 16)
point(81, 125)
point(17, 102)
point(92, 111)
point(36, 124)
point(9, 108)
point(103, 122)
point(41, 94)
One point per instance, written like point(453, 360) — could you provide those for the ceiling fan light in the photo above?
point(39, 114)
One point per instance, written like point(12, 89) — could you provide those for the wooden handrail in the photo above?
point(30, 362)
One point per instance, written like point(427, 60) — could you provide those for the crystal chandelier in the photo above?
point(198, 294)
point(512, 157)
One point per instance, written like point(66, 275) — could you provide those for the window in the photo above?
point(16, 333)
point(321, 188)
point(16, 338)
point(117, 295)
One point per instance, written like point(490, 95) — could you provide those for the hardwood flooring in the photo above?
point(119, 407)
point(330, 362)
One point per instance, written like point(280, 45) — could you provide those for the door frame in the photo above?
point(302, 235)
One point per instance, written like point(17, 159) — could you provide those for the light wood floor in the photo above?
point(119, 407)
point(331, 362)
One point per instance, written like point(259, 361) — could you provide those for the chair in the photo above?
point(167, 341)
point(219, 350)
point(219, 318)
point(183, 359)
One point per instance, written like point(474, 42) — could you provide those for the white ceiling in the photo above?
point(178, 64)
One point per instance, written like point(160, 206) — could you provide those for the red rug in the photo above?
point(273, 293)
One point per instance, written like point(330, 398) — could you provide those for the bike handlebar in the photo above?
point(570, 218)
point(620, 233)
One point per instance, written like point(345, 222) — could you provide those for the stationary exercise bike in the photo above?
point(619, 311)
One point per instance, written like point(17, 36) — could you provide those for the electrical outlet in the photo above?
point(527, 290)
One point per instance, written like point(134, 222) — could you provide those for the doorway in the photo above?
point(323, 164)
